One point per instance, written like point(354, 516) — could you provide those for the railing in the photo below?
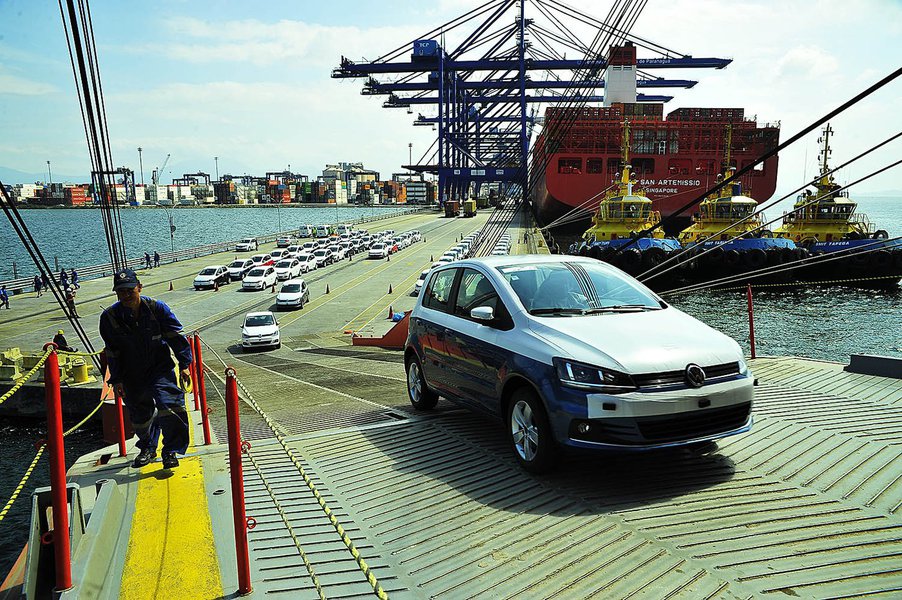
point(21, 284)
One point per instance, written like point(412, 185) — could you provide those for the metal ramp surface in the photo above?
point(805, 505)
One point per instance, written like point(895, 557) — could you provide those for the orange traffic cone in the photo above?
point(389, 289)
point(431, 258)
point(170, 286)
point(391, 312)
point(327, 288)
point(273, 290)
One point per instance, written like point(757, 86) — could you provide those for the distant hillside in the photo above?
point(11, 176)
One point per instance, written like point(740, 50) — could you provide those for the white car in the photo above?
point(259, 278)
point(308, 247)
point(280, 254)
point(416, 235)
point(379, 250)
point(284, 242)
point(239, 268)
point(307, 260)
point(294, 294)
point(419, 284)
point(262, 260)
point(338, 253)
point(288, 268)
point(260, 329)
point(247, 245)
point(211, 277)
point(296, 249)
point(323, 257)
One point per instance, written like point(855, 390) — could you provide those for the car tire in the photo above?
point(529, 432)
point(421, 397)
point(279, 345)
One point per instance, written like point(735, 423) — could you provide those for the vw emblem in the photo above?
point(695, 376)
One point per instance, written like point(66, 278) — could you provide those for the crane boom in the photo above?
point(158, 172)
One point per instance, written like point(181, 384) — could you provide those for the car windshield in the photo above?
point(258, 320)
point(237, 263)
point(209, 271)
point(378, 247)
point(256, 273)
point(247, 241)
point(291, 287)
point(576, 288)
point(284, 264)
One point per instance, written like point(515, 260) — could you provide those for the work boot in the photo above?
point(169, 460)
point(144, 458)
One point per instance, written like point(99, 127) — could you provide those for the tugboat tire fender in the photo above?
point(897, 258)
point(755, 258)
point(732, 258)
point(630, 259)
point(594, 252)
point(652, 257)
point(881, 234)
point(766, 233)
point(881, 259)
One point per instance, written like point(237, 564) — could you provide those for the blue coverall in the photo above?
point(138, 357)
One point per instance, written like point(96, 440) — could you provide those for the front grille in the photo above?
point(672, 377)
point(663, 428)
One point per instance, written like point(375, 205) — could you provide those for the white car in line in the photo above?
point(294, 294)
point(247, 245)
point(379, 250)
point(308, 261)
point(338, 253)
point(212, 276)
point(259, 278)
point(239, 268)
point(419, 284)
point(260, 329)
point(288, 268)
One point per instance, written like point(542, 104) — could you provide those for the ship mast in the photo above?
point(625, 180)
point(825, 151)
point(728, 167)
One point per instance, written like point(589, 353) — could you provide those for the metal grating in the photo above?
point(801, 506)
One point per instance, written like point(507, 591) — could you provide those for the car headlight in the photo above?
point(588, 377)
point(743, 367)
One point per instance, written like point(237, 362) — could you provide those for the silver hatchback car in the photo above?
point(572, 353)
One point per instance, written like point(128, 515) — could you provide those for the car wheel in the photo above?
point(529, 431)
point(279, 345)
point(421, 397)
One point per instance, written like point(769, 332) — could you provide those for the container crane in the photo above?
point(158, 172)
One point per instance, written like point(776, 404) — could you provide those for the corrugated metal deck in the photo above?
point(805, 505)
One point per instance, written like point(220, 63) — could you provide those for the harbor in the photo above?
point(547, 301)
point(806, 503)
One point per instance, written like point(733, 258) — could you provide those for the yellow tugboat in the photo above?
point(826, 225)
point(726, 214)
point(623, 212)
point(827, 215)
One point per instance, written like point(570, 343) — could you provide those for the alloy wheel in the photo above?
point(525, 431)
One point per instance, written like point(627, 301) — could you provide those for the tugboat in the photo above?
point(729, 237)
point(825, 222)
point(622, 213)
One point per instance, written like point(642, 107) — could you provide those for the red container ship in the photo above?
point(675, 160)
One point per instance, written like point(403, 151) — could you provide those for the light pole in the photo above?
point(49, 174)
point(216, 160)
point(410, 156)
point(141, 165)
point(171, 231)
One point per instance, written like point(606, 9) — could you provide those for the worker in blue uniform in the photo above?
point(139, 333)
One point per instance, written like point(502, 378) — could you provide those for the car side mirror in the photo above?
point(483, 313)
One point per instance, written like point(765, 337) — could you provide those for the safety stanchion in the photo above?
point(202, 388)
point(120, 422)
point(59, 495)
point(238, 513)
point(193, 370)
point(751, 319)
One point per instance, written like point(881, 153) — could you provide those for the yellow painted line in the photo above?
point(171, 552)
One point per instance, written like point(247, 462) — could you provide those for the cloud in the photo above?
point(807, 63)
point(14, 85)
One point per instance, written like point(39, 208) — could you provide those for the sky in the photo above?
point(250, 83)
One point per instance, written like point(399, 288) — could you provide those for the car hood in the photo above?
point(205, 278)
point(254, 278)
point(288, 296)
point(263, 330)
point(640, 342)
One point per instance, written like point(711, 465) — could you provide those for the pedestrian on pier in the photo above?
point(38, 284)
point(156, 259)
point(74, 277)
point(45, 281)
point(4, 298)
point(147, 261)
point(64, 279)
point(70, 302)
point(139, 333)
point(61, 343)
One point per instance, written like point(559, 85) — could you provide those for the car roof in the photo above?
point(259, 314)
point(213, 266)
point(295, 280)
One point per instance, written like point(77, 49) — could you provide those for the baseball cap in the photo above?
point(125, 279)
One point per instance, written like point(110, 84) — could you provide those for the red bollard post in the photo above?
point(59, 494)
point(238, 513)
point(120, 422)
point(751, 319)
point(202, 389)
point(193, 370)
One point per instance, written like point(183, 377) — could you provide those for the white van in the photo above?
point(305, 231)
point(322, 231)
point(343, 228)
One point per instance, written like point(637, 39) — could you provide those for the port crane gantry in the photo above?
point(484, 86)
point(157, 173)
